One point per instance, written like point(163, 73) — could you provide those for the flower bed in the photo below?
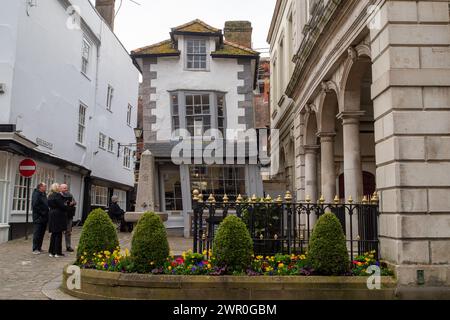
point(195, 264)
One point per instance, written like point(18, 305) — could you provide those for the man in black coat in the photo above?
point(71, 209)
point(40, 209)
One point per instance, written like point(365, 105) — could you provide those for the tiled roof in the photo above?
point(167, 47)
point(233, 49)
point(161, 48)
point(196, 26)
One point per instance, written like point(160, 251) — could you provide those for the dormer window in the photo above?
point(196, 54)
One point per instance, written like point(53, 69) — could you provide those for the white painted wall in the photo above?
point(40, 62)
point(171, 75)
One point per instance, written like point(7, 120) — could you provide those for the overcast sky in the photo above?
point(150, 22)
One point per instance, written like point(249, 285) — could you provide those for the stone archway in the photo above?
point(328, 111)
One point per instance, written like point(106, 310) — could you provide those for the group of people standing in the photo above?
point(57, 211)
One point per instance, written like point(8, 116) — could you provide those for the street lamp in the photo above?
point(138, 132)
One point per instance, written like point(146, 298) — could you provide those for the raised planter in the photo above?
point(110, 285)
point(133, 217)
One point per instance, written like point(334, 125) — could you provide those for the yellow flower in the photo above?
point(205, 252)
point(281, 265)
point(127, 252)
point(209, 266)
point(169, 268)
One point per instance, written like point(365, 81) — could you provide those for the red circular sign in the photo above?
point(27, 168)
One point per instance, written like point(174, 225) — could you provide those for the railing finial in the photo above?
point(195, 194)
point(288, 197)
point(211, 199)
point(337, 200)
point(322, 200)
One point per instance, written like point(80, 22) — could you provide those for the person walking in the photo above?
point(57, 220)
point(40, 209)
point(71, 209)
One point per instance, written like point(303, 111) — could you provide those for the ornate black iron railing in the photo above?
point(283, 226)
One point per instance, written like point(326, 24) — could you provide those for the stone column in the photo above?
point(145, 199)
point(328, 170)
point(352, 155)
point(411, 94)
point(311, 177)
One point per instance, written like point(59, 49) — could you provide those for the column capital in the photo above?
point(311, 149)
point(326, 136)
point(350, 116)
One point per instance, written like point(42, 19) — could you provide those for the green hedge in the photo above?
point(328, 253)
point(233, 246)
point(98, 234)
point(149, 246)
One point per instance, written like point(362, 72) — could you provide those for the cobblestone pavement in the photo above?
point(23, 275)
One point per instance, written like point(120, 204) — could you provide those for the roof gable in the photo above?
point(196, 26)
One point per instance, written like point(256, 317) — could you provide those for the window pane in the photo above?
point(189, 100)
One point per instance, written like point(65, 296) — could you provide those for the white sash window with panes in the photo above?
point(44, 175)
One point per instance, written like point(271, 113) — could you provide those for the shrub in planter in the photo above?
point(149, 246)
point(233, 246)
point(327, 250)
point(98, 234)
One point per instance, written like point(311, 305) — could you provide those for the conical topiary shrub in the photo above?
point(328, 253)
point(233, 246)
point(149, 246)
point(98, 234)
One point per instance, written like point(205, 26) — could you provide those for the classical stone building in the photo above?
point(361, 95)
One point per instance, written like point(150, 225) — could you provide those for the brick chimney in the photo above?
point(239, 32)
point(106, 10)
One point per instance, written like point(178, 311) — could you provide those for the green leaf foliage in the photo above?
point(98, 234)
point(233, 246)
point(328, 253)
point(149, 246)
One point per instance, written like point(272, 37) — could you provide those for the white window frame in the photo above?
point(109, 98)
point(85, 55)
point(126, 157)
point(197, 54)
point(99, 196)
point(198, 118)
point(81, 132)
point(111, 142)
point(102, 141)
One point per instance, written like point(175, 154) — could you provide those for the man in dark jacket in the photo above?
point(71, 209)
point(40, 216)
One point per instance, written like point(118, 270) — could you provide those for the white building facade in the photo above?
point(69, 98)
point(198, 81)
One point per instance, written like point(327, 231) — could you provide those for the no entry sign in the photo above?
point(27, 168)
